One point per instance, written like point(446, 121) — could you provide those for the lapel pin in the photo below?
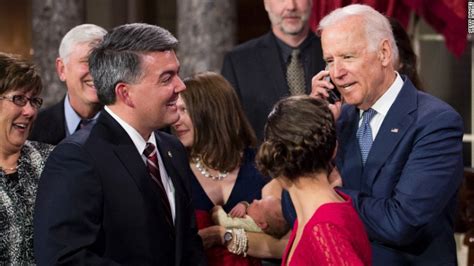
point(170, 155)
point(394, 130)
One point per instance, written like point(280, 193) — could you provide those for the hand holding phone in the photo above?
point(334, 94)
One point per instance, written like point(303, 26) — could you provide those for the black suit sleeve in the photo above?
point(50, 125)
point(193, 251)
point(68, 210)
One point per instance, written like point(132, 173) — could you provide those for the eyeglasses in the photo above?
point(21, 100)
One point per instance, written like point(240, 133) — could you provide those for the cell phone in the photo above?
point(334, 94)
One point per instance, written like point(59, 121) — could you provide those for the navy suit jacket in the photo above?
point(97, 204)
point(406, 193)
point(255, 70)
point(50, 125)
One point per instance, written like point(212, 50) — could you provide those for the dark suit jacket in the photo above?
point(50, 125)
point(256, 71)
point(406, 193)
point(97, 204)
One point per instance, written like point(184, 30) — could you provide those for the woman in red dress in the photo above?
point(300, 142)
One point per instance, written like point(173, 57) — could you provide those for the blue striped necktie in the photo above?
point(364, 134)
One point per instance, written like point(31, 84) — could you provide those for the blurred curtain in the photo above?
point(447, 17)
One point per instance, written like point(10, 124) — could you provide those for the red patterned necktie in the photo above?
point(152, 164)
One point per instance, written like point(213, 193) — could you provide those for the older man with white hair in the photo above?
point(80, 106)
point(400, 149)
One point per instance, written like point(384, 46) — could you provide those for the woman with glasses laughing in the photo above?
point(21, 161)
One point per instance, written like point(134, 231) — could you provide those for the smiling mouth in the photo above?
point(90, 83)
point(20, 125)
point(180, 133)
point(292, 16)
point(172, 103)
point(345, 86)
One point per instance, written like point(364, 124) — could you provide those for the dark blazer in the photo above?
point(97, 204)
point(406, 193)
point(257, 72)
point(50, 125)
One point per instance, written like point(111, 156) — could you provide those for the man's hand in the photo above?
point(319, 89)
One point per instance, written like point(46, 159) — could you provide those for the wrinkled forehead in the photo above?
point(343, 38)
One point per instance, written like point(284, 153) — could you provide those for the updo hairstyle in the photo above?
point(300, 139)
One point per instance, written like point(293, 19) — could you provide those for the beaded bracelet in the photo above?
point(239, 244)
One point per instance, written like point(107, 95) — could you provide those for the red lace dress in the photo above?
point(334, 235)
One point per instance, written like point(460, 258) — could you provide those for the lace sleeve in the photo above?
point(333, 247)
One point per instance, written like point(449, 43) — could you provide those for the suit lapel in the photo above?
point(61, 119)
point(168, 161)
point(173, 168)
point(395, 125)
point(127, 154)
point(136, 168)
point(349, 160)
point(272, 64)
point(57, 120)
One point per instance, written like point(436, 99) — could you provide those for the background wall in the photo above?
point(15, 27)
point(209, 28)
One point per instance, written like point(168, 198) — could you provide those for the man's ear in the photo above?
point(385, 53)
point(61, 69)
point(122, 92)
point(265, 5)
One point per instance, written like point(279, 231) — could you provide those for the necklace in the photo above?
point(4, 170)
point(203, 170)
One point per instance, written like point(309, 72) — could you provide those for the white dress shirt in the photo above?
point(382, 105)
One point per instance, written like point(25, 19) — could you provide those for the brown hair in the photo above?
point(300, 138)
point(18, 74)
point(221, 130)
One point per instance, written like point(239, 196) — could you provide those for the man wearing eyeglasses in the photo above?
point(80, 106)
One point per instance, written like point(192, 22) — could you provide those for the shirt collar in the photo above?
point(72, 118)
point(137, 139)
point(383, 104)
point(286, 50)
